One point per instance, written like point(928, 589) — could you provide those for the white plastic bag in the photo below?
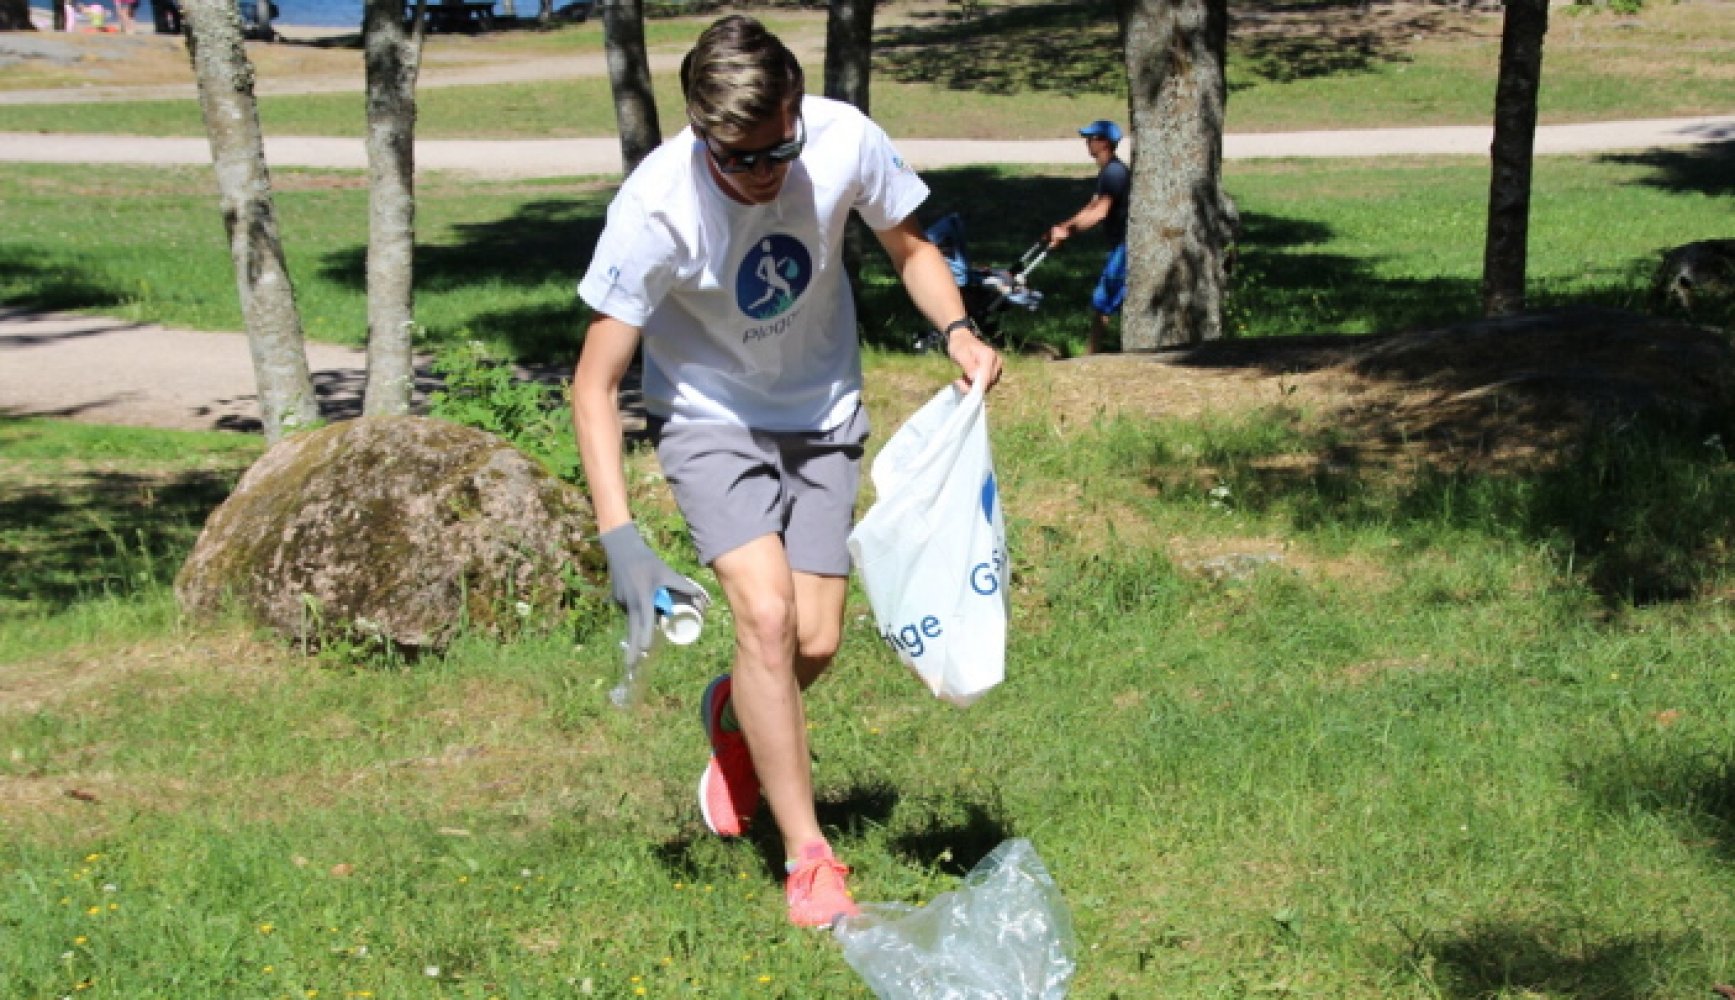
point(1006, 934)
point(931, 551)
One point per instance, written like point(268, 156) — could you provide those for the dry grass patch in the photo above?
point(208, 661)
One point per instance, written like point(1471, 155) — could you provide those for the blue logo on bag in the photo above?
point(772, 277)
point(989, 493)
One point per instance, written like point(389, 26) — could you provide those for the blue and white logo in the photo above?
point(989, 494)
point(772, 277)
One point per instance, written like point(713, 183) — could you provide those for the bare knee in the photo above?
point(765, 629)
point(818, 641)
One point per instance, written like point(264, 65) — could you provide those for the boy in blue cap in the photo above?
point(1108, 208)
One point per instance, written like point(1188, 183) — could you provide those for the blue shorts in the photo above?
point(1111, 288)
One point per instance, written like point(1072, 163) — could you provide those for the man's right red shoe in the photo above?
point(729, 788)
point(817, 888)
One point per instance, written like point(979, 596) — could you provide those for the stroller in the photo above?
point(987, 292)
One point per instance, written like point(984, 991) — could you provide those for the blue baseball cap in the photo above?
point(1102, 128)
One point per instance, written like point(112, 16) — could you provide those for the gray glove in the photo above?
point(635, 575)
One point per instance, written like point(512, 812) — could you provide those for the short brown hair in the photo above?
point(737, 77)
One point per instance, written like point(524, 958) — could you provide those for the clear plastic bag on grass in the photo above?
point(1005, 934)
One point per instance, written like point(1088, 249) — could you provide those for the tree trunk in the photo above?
point(849, 51)
point(225, 80)
point(1180, 222)
point(629, 77)
point(15, 15)
point(1504, 254)
point(393, 56)
point(849, 56)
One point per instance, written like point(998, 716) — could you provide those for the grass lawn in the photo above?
point(1346, 246)
point(1431, 746)
point(1418, 755)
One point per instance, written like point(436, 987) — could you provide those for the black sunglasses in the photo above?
point(741, 161)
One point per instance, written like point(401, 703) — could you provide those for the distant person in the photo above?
point(723, 258)
point(1108, 208)
point(126, 9)
point(167, 15)
point(97, 15)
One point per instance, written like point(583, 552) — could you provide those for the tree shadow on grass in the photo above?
point(1284, 43)
point(1691, 788)
point(1076, 48)
point(96, 533)
point(1061, 47)
point(538, 243)
point(1708, 169)
point(1598, 433)
point(851, 811)
point(956, 836)
point(1500, 958)
point(37, 278)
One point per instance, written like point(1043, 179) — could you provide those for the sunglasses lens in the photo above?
point(731, 162)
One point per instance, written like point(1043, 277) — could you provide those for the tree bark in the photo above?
point(849, 56)
point(629, 78)
point(393, 56)
point(1180, 222)
point(1505, 254)
point(15, 15)
point(849, 51)
point(225, 80)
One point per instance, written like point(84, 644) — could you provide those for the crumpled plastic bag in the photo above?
point(1006, 934)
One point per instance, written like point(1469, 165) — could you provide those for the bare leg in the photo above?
point(786, 631)
point(1098, 328)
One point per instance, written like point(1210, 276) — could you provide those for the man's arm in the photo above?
point(1090, 215)
point(928, 280)
point(608, 351)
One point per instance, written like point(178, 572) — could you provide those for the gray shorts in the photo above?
point(735, 484)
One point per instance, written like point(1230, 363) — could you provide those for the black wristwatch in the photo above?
point(959, 324)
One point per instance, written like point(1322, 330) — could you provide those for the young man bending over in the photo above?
point(723, 253)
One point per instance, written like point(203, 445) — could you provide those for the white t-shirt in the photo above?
point(745, 310)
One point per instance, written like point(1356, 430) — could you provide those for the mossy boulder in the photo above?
point(404, 529)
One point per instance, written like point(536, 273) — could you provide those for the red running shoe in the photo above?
point(817, 890)
point(729, 788)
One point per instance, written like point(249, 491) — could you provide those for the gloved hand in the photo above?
point(635, 574)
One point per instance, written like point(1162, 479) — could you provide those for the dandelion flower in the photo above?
point(266, 928)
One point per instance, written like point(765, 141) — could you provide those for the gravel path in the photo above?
point(525, 158)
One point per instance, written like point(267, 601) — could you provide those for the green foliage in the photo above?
point(489, 394)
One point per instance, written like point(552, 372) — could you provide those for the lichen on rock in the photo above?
point(405, 529)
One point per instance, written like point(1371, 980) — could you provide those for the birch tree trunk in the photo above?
point(629, 77)
point(225, 80)
point(394, 57)
point(1505, 254)
point(1180, 222)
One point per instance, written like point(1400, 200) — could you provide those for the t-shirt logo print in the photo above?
point(773, 275)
